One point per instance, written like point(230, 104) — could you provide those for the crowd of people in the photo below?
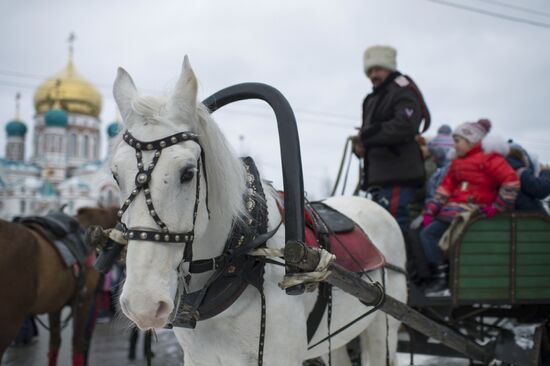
point(426, 183)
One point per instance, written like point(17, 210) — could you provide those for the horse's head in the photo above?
point(162, 199)
point(169, 147)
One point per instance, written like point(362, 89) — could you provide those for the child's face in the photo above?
point(462, 146)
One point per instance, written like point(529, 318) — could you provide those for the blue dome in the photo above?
point(16, 128)
point(56, 118)
point(113, 129)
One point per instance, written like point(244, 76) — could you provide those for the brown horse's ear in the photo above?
point(81, 211)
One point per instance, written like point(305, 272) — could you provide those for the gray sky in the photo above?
point(467, 65)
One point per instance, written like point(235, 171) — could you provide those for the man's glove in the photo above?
point(357, 146)
point(427, 220)
point(489, 211)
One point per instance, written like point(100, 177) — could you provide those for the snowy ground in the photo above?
point(404, 359)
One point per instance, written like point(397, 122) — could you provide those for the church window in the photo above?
point(95, 147)
point(22, 206)
point(86, 147)
point(72, 145)
point(57, 143)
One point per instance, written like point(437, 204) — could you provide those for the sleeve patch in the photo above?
point(402, 81)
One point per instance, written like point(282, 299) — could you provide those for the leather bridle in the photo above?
point(142, 180)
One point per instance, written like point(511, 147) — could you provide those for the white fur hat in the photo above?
point(381, 56)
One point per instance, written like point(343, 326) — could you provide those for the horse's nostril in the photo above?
point(163, 310)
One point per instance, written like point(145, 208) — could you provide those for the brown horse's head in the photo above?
point(104, 217)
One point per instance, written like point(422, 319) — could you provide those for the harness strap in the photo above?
point(314, 318)
point(142, 180)
point(247, 234)
point(261, 342)
point(262, 331)
point(205, 265)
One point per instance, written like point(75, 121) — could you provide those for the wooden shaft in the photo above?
point(353, 284)
point(307, 259)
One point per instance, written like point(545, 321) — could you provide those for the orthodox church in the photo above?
point(65, 167)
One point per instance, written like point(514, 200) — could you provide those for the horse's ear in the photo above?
point(184, 98)
point(124, 91)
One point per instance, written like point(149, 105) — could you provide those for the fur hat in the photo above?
point(381, 56)
point(473, 132)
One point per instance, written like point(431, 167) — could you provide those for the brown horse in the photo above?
point(34, 280)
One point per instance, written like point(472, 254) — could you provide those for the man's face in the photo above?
point(377, 75)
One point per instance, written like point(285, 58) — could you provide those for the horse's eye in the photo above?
point(115, 177)
point(187, 174)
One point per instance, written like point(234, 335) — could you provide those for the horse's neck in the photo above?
point(212, 243)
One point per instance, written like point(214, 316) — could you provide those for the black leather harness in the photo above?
point(234, 270)
point(142, 184)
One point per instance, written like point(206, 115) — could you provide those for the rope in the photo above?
point(266, 252)
point(320, 274)
point(117, 236)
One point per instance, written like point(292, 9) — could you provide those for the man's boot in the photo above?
point(439, 285)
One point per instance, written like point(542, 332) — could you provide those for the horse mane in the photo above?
point(226, 173)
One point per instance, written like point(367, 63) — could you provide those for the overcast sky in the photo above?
point(468, 65)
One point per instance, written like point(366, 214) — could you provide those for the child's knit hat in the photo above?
point(473, 132)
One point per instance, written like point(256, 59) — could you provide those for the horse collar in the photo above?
point(234, 269)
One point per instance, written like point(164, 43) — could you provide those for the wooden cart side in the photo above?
point(503, 260)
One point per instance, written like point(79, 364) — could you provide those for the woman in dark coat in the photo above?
point(535, 184)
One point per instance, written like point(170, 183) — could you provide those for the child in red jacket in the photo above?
point(475, 180)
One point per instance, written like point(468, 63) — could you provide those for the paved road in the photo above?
point(110, 348)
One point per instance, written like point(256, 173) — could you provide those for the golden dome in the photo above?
point(70, 91)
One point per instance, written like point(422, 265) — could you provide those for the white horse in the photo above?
point(230, 338)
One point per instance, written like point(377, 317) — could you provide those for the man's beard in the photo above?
point(376, 82)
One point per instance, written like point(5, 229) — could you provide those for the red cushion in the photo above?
point(354, 250)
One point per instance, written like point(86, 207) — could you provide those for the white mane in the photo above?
point(226, 173)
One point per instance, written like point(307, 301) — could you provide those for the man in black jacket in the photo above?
point(392, 115)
